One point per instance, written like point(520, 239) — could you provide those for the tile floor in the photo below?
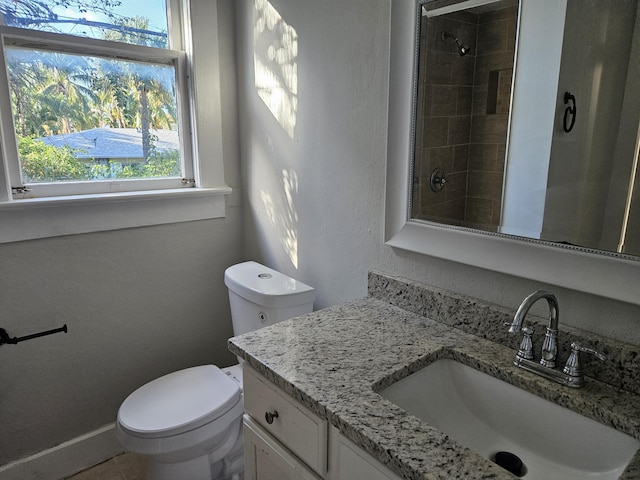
point(127, 466)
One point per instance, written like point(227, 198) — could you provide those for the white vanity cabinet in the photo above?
point(284, 440)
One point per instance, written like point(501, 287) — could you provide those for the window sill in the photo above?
point(55, 216)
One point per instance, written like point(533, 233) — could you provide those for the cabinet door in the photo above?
point(350, 462)
point(267, 459)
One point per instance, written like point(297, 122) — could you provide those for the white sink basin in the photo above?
point(488, 416)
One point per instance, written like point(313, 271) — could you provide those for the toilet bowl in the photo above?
point(189, 423)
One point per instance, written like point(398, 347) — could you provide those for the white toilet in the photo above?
point(189, 422)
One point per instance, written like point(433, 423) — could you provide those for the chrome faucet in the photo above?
point(571, 375)
point(550, 345)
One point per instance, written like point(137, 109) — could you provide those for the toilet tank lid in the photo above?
point(178, 402)
point(267, 287)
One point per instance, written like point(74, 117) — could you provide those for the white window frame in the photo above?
point(80, 207)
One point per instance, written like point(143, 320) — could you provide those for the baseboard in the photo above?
point(67, 458)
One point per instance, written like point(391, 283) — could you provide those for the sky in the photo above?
point(154, 10)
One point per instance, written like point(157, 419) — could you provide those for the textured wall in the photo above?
point(138, 303)
point(313, 137)
point(338, 151)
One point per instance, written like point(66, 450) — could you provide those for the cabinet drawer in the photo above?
point(299, 429)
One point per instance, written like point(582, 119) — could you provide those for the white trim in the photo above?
point(97, 187)
point(76, 45)
point(456, 7)
point(203, 50)
point(67, 458)
point(599, 273)
point(46, 217)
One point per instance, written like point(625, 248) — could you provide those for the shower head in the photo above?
point(462, 48)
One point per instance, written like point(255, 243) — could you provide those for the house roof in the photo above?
point(108, 142)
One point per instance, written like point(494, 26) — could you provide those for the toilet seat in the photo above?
point(178, 402)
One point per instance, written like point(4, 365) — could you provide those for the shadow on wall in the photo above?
point(284, 217)
point(275, 66)
point(275, 55)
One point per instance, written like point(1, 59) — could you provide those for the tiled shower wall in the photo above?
point(444, 107)
point(462, 113)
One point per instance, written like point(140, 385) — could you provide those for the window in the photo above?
point(98, 97)
point(82, 152)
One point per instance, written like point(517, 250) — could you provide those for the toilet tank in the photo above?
point(260, 296)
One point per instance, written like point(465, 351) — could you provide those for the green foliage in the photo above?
point(131, 32)
point(46, 163)
point(55, 93)
point(165, 164)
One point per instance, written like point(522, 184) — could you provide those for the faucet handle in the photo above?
point(526, 345)
point(573, 367)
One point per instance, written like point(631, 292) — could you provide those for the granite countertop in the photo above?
point(334, 360)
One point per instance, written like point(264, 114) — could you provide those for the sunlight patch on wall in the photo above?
point(283, 215)
point(275, 66)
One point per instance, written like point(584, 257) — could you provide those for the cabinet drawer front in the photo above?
point(299, 429)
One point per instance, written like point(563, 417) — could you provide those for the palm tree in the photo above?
point(50, 92)
point(26, 77)
point(139, 96)
point(156, 105)
point(67, 95)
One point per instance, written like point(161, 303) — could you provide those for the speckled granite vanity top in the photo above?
point(333, 361)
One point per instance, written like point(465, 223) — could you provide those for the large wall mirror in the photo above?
point(513, 138)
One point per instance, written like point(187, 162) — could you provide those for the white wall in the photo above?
point(533, 112)
point(138, 303)
point(621, 169)
point(315, 199)
point(577, 196)
point(338, 151)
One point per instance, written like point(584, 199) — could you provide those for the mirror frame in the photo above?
point(602, 273)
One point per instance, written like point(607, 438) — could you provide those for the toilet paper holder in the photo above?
point(5, 338)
